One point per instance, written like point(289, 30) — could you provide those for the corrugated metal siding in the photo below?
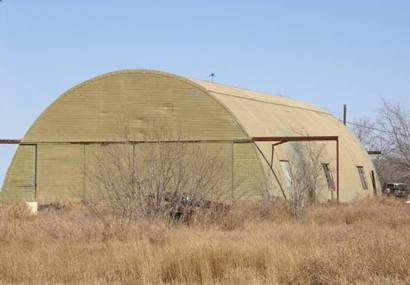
point(256, 96)
point(105, 108)
point(21, 175)
point(249, 179)
point(69, 171)
point(60, 169)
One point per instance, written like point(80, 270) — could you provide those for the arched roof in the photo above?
point(95, 109)
point(258, 113)
point(262, 114)
point(251, 114)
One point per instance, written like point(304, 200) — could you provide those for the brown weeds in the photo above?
point(367, 242)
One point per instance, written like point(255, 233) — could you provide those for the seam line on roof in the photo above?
point(263, 101)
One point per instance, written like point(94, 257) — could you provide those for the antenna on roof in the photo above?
point(212, 76)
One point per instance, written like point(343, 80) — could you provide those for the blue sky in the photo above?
point(324, 52)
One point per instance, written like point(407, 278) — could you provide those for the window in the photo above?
point(329, 176)
point(362, 177)
point(286, 172)
point(373, 183)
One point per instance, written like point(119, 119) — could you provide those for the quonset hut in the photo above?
point(255, 132)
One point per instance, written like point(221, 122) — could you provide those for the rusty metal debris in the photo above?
point(181, 206)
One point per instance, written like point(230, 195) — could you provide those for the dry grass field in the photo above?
point(366, 242)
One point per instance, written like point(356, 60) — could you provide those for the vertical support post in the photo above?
point(271, 168)
point(84, 169)
point(233, 171)
point(133, 157)
point(133, 166)
point(337, 170)
point(35, 173)
point(344, 114)
point(271, 157)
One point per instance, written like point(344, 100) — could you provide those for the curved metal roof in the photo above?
point(87, 111)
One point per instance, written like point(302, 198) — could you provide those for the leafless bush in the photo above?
point(156, 179)
point(305, 170)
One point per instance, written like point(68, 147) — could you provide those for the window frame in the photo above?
point(329, 176)
point(362, 176)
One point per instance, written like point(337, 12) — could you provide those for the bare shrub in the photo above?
point(168, 179)
point(305, 171)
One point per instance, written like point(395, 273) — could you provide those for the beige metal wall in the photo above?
point(20, 178)
point(60, 171)
point(71, 171)
point(249, 178)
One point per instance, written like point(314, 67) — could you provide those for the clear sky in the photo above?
point(324, 52)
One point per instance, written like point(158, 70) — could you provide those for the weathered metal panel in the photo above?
point(60, 172)
point(249, 178)
point(20, 179)
point(135, 105)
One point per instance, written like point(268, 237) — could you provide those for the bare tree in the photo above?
point(364, 130)
point(390, 133)
point(395, 122)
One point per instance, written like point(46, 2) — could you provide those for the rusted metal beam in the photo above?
point(273, 150)
point(337, 171)
point(155, 141)
point(273, 171)
point(282, 140)
point(10, 141)
point(295, 138)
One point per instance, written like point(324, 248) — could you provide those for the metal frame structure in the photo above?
point(282, 140)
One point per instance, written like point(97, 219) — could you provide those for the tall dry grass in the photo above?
point(367, 242)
